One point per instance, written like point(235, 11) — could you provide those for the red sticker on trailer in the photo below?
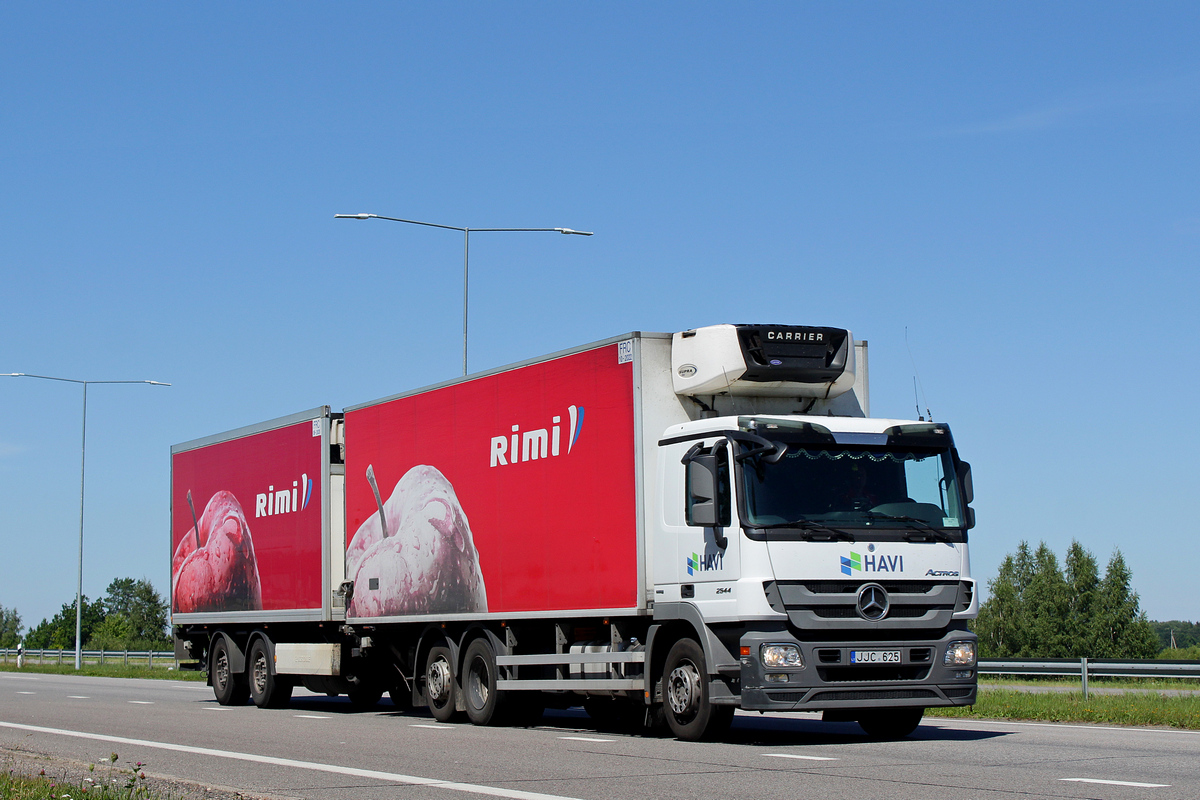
point(508, 493)
point(255, 540)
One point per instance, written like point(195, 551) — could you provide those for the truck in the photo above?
point(662, 528)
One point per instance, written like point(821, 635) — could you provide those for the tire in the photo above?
point(440, 692)
point(365, 696)
point(267, 689)
point(229, 687)
point(485, 705)
point(689, 714)
point(890, 725)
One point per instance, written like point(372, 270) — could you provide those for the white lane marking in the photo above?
point(216, 708)
point(78, 697)
point(805, 758)
point(1119, 783)
point(26, 692)
point(309, 716)
point(142, 702)
point(389, 777)
point(433, 727)
point(585, 739)
point(10, 676)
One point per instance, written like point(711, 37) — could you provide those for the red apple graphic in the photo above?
point(214, 568)
point(417, 552)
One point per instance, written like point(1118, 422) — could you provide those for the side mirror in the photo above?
point(964, 480)
point(970, 517)
point(702, 499)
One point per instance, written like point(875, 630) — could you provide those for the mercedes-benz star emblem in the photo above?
point(873, 602)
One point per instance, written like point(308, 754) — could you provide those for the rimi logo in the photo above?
point(284, 501)
point(538, 443)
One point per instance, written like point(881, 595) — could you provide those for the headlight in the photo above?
point(960, 654)
point(781, 655)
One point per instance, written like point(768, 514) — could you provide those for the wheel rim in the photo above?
point(477, 684)
point(260, 673)
point(437, 680)
point(683, 689)
point(221, 673)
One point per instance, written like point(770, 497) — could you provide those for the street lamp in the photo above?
point(82, 465)
point(466, 251)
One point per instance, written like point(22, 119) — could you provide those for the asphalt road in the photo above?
point(319, 748)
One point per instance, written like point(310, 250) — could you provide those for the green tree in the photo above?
point(143, 610)
point(114, 633)
point(1035, 610)
point(1002, 625)
point(1185, 634)
point(59, 632)
point(1047, 603)
point(10, 627)
point(1120, 628)
point(1082, 584)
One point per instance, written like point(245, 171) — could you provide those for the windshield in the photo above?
point(853, 487)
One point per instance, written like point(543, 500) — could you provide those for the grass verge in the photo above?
point(1124, 709)
point(993, 681)
point(107, 671)
point(125, 784)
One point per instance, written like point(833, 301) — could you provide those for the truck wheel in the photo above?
point(230, 688)
point(439, 684)
point(483, 702)
point(894, 724)
point(685, 691)
point(266, 688)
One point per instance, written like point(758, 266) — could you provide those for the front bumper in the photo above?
point(828, 681)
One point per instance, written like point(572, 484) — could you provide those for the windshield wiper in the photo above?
point(926, 531)
point(809, 530)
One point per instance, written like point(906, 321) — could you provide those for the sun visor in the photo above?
point(763, 360)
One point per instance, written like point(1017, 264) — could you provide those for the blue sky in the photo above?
point(1014, 185)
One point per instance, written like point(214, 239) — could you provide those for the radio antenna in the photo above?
point(916, 382)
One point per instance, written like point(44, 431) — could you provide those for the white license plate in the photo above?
point(874, 656)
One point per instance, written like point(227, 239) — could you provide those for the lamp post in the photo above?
point(82, 473)
point(466, 251)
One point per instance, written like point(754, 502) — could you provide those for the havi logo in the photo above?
point(284, 500)
point(534, 444)
point(872, 563)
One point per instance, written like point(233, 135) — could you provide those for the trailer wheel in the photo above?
point(483, 701)
point(685, 690)
point(439, 684)
point(266, 688)
point(230, 688)
point(894, 724)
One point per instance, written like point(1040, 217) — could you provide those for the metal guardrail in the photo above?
point(8, 655)
point(1085, 668)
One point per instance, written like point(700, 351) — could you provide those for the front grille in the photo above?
point(920, 654)
point(959, 691)
point(849, 612)
point(785, 697)
point(855, 674)
point(829, 656)
point(844, 587)
point(873, 694)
